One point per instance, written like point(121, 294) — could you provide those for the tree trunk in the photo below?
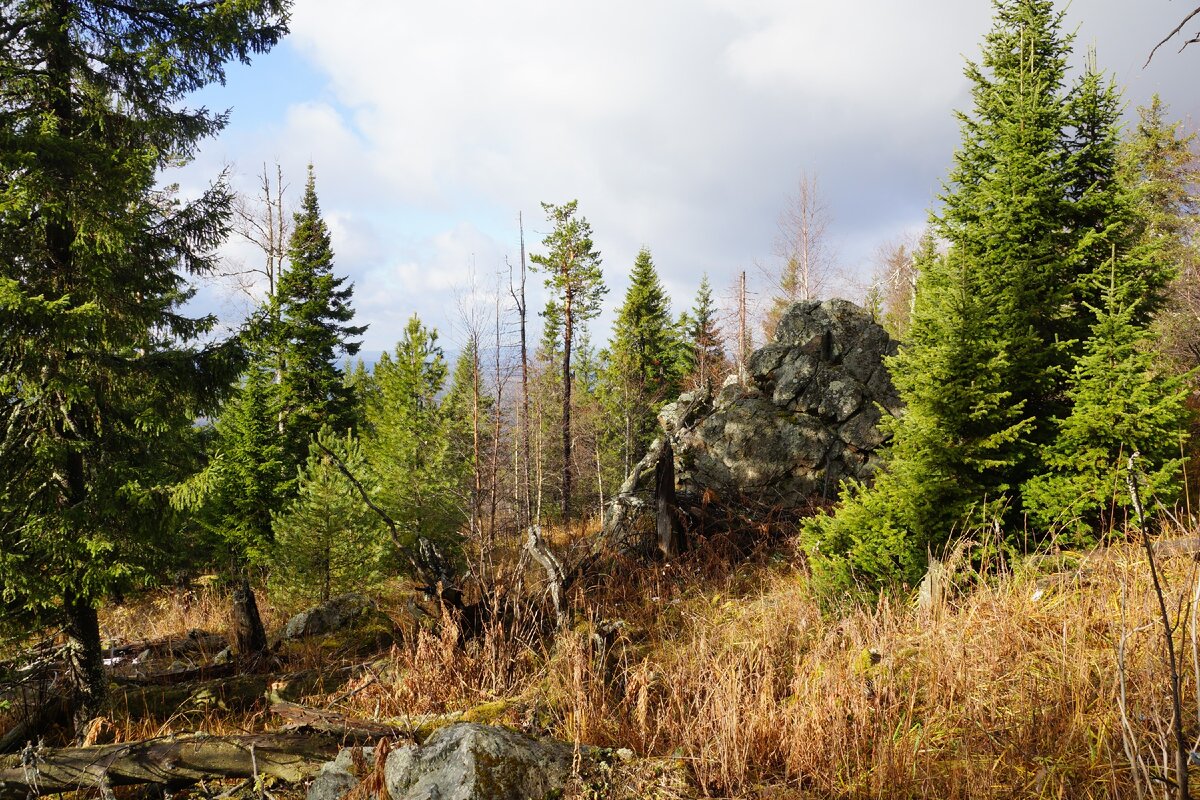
point(247, 635)
point(85, 661)
point(566, 415)
point(670, 535)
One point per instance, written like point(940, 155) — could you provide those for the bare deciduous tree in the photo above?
point(263, 222)
point(895, 281)
point(803, 246)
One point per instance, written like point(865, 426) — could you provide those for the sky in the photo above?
point(682, 126)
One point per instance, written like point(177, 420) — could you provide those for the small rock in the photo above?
point(337, 778)
point(340, 612)
point(467, 761)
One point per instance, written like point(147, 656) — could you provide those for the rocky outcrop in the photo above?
point(468, 761)
point(806, 420)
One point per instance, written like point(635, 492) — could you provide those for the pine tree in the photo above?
point(313, 330)
point(409, 449)
point(327, 541)
point(572, 268)
point(99, 370)
point(644, 370)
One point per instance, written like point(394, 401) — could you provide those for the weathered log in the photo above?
point(169, 761)
point(195, 642)
point(208, 672)
point(1176, 548)
point(617, 517)
point(238, 693)
point(319, 720)
point(556, 578)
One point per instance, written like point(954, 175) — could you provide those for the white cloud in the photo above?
point(680, 125)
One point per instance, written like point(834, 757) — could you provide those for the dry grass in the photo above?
point(1010, 688)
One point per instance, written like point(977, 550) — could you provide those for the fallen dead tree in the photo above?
point(331, 723)
point(170, 761)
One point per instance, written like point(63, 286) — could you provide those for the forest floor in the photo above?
point(725, 678)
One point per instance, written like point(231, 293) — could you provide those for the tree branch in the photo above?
point(1172, 34)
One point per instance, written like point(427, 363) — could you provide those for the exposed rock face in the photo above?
point(808, 419)
point(467, 761)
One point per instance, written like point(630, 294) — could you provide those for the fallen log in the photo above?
point(195, 642)
point(319, 720)
point(170, 761)
point(205, 673)
point(237, 693)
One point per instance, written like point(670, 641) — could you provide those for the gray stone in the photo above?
point(340, 612)
point(338, 777)
point(808, 421)
point(467, 761)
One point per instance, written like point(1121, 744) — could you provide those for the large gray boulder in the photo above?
point(468, 761)
point(806, 420)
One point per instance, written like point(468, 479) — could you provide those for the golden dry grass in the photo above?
point(1010, 688)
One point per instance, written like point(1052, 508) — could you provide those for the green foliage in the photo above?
point(1160, 165)
point(644, 369)
point(313, 312)
point(251, 467)
point(572, 268)
point(1005, 340)
point(327, 541)
point(409, 444)
point(100, 373)
point(1122, 402)
point(704, 359)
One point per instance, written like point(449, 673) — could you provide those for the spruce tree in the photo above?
point(1161, 168)
point(250, 468)
point(100, 371)
point(705, 354)
point(1123, 402)
point(643, 370)
point(313, 331)
point(1032, 213)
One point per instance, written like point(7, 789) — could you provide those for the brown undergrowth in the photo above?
point(1043, 679)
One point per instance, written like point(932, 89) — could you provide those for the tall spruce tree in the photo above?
point(312, 332)
point(1033, 213)
point(643, 370)
point(99, 375)
point(572, 268)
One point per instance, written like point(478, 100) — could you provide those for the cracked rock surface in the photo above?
point(807, 419)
